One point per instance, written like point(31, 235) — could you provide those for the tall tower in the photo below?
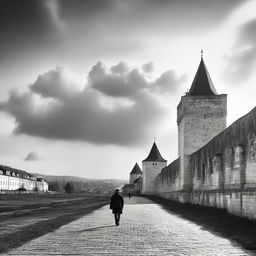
point(135, 173)
point(151, 167)
point(201, 115)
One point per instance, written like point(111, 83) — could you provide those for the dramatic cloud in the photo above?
point(146, 14)
point(128, 82)
point(117, 84)
point(240, 64)
point(24, 25)
point(51, 26)
point(56, 84)
point(117, 106)
point(32, 156)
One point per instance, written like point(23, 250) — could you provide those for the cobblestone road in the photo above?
point(145, 229)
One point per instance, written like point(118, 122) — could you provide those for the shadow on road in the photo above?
point(237, 229)
point(137, 200)
point(95, 228)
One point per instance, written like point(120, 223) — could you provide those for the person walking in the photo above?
point(130, 195)
point(117, 204)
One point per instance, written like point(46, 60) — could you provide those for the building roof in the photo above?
point(136, 169)
point(154, 155)
point(202, 83)
point(16, 171)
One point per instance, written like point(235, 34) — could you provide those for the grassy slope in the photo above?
point(41, 220)
point(84, 184)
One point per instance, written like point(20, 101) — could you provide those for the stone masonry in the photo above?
point(216, 166)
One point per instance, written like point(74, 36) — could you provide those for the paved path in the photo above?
point(145, 229)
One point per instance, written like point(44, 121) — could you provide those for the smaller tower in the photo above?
point(135, 173)
point(151, 167)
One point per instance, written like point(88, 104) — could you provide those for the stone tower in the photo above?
point(201, 115)
point(135, 173)
point(151, 167)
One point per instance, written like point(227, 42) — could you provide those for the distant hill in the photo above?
point(90, 186)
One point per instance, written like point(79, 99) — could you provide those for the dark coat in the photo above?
point(117, 203)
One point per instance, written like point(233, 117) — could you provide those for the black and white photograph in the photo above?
point(128, 127)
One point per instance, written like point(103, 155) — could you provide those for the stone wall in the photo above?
point(133, 177)
point(150, 170)
point(199, 119)
point(220, 174)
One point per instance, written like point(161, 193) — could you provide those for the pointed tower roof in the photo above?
point(136, 169)
point(202, 84)
point(154, 155)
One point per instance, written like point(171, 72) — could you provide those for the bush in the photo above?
point(68, 188)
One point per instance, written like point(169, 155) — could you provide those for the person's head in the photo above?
point(116, 190)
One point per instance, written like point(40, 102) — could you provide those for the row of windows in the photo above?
point(4, 181)
point(18, 177)
point(13, 174)
point(11, 183)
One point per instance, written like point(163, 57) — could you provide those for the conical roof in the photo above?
point(154, 155)
point(202, 84)
point(136, 169)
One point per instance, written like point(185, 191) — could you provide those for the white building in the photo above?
point(12, 179)
point(42, 185)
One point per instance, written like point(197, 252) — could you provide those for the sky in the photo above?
point(86, 86)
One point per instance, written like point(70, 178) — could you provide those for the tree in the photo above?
point(68, 188)
point(54, 186)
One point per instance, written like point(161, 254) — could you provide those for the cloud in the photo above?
point(32, 156)
point(169, 82)
point(51, 26)
point(127, 83)
point(148, 67)
point(53, 7)
point(56, 84)
point(240, 65)
point(24, 26)
point(120, 108)
point(241, 62)
point(121, 68)
point(147, 14)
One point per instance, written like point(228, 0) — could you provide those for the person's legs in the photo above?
point(116, 218)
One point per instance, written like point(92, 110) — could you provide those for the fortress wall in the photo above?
point(158, 186)
point(250, 169)
point(170, 185)
point(249, 204)
point(169, 179)
point(223, 172)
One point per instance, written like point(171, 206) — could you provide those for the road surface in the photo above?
point(145, 229)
